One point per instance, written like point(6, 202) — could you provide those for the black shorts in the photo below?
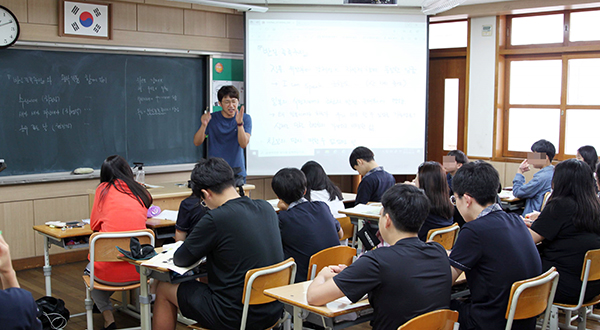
point(195, 300)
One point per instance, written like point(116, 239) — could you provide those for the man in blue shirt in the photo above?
point(228, 131)
point(375, 181)
point(534, 190)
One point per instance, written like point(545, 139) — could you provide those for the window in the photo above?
point(551, 66)
point(448, 35)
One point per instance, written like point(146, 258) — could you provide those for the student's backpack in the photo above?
point(52, 312)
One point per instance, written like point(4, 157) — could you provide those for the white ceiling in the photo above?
point(401, 3)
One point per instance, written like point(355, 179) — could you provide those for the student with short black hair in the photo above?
point(375, 180)
point(404, 280)
point(452, 162)
point(541, 183)
point(306, 227)
point(494, 249)
point(236, 234)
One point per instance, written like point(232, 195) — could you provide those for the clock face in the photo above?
point(9, 28)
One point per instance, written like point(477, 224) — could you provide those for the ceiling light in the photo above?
point(222, 4)
point(432, 7)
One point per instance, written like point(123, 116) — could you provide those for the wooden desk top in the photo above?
point(295, 295)
point(352, 212)
point(179, 189)
point(67, 233)
point(153, 223)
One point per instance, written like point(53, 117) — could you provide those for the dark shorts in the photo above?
point(195, 300)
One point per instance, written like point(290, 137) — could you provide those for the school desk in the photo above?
point(158, 273)
point(77, 238)
point(358, 217)
point(294, 295)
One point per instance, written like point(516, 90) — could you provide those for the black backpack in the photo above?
point(52, 312)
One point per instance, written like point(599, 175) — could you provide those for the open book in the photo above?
point(165, 259)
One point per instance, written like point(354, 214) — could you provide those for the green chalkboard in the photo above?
point(63, 110)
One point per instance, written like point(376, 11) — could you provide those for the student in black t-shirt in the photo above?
point(190, 212)
point(237, 234)
point(493, 248)
point(568, 227)
point(404, 280)
point(306, 227)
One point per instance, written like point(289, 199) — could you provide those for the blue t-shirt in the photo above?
point(373, 185)
point(494, 251)
point(19, 310)
point(306, 229)
point(223, 139)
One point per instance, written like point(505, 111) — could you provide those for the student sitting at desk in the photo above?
point(236, 234)
point(19, 310)
point(306, 227)
point(120, 204)
point(405, 280)
point(320, 188)
point(452, 163)
point(375, 181)
point(494, 249)
point(534, 190)
point(431, 178)
point(190, 212)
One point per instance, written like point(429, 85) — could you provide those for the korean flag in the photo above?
point(86, 19)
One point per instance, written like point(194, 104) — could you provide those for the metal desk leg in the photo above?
point(145, 299)
point(47, 268)
point(297, 318)
point(359, 245)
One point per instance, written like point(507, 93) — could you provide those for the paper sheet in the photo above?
point(373, 209)
point(168, 215)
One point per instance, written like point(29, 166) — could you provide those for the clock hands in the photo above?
point(3, 24)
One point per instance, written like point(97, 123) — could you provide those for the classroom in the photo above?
point(481, 67)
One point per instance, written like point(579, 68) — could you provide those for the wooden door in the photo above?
point(445, 64)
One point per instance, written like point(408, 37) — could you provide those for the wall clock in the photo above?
point(9, 28)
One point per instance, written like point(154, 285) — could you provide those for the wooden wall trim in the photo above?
point(55, 259)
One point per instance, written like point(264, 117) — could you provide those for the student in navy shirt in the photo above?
point(228, 131)
point(404, 280)
point(493, 248)
point(375, 181)
point(19, 310)
point(306, 227)
point(190, 212)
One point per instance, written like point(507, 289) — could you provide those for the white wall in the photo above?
point(482, 68)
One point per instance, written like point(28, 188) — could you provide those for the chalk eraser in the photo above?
point(83, 170)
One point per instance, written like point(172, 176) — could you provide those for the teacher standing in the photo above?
point(228, 131)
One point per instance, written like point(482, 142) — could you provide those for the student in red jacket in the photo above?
point(120, 204)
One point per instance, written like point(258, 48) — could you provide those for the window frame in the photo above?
point(507, 53)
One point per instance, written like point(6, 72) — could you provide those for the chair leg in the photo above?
point(89, 305)
point(553, 318)
point(582, 318)
point(591, 315)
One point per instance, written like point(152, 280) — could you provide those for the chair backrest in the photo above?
point(103, 245)
point(347, 226)
point(531, 297)
point(259, 279)
point(331, 256)
point(445, 235)
point(443, 319)
point(545, 200)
